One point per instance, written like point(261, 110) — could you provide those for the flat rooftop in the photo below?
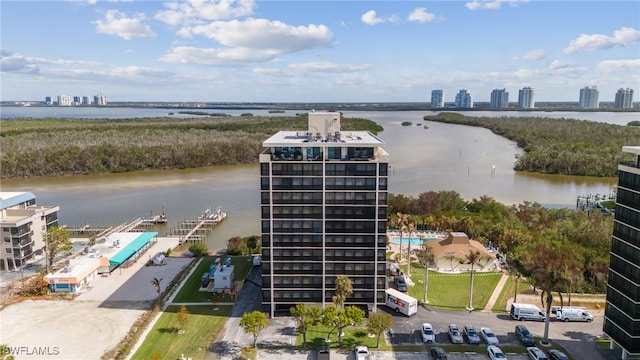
point(303, 138)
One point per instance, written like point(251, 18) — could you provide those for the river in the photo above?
point(469, 160)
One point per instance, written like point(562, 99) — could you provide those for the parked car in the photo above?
point(428, 336)
point(361, 352)
point(401, 283)
point(471, 334)
point(536, 354)
point(323, 352)
point(489, 337)
point(454, 334)
point(438, 353)
point(524, 335)
point(495, 353)
point(557, 355)
point(257, 260)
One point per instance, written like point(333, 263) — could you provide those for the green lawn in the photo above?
point(189, 291)
point(352, 336)
point(165, 341)
point(451, 291)
point(507, 294)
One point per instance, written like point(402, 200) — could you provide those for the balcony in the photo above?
point(21, 243)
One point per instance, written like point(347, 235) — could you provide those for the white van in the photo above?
point(521, 312)
point(401, 303)
point(573, 314)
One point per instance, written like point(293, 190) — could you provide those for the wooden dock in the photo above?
point(194, 231)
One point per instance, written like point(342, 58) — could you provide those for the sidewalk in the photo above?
point(496, 293)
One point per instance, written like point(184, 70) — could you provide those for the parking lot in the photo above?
point(576, 337)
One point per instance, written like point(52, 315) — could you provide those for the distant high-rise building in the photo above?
point(65, 100)
point(624, 99)
point(100, 100)
point(437, 98)
point(86, 100)
point(48, 100)
point(464, 99)
point(622, 311)
point(525, 98)
point(589, 98)
point(499, 98)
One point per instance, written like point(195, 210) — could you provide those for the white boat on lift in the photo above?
point(216, 216)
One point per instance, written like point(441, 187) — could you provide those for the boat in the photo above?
point(216, 216)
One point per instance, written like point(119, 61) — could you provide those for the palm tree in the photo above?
point(427, 258)
point(411, 227)
point(401, 220)
point(451, 257)
point(472, 258)
point(156, 284)
point(344, 289)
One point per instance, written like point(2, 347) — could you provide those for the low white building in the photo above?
point(23, 224)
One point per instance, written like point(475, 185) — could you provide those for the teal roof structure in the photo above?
point(132, 248)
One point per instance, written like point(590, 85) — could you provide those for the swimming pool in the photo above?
point(414, 240)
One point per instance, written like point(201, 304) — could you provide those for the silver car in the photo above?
point(472, 335)
point(454, 334)
point(489, 337)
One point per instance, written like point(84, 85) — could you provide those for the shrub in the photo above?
point(198, 249)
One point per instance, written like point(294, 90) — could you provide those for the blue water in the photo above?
point(405, 240)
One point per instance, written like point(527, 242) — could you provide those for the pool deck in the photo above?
point(416, 234)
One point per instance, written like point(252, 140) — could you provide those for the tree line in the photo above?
point(524, 232)
point(54, 147)
point(558, 146)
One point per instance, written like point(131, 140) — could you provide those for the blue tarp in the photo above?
point(133, 247)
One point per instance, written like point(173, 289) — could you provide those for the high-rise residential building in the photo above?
point(589, 98)
point(622, 311)
point(437, 98)
point(100, 100)
point(22, 223)
point(624, 99)
point(65, 100)
point(464, 99)
point(525, 98)
point(324, 214)
point(499, 99)
point(86, 100)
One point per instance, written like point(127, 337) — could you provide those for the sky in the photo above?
point(316, 51)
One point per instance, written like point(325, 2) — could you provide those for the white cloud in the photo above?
point(557, 64)
point(370, 18)
point(302, 69)
point(197, 11)
point(492, 4)
point(265, 35)
point(217, 57)
point(609, 66)
point(536, 54)
point(118, 24)
point(421, 15)
point(624, 36)
point(328, 67)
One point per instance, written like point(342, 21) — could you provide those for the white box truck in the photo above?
point(401, 303)
point(522, 312)
point(573, 314)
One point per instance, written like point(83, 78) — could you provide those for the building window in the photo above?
point(8, 251)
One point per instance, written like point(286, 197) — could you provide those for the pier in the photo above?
point(196, 230)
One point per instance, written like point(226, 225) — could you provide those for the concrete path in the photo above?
point(496, 293)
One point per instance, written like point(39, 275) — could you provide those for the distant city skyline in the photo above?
point(316, 51)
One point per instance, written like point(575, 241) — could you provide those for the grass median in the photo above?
point(169, 340)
